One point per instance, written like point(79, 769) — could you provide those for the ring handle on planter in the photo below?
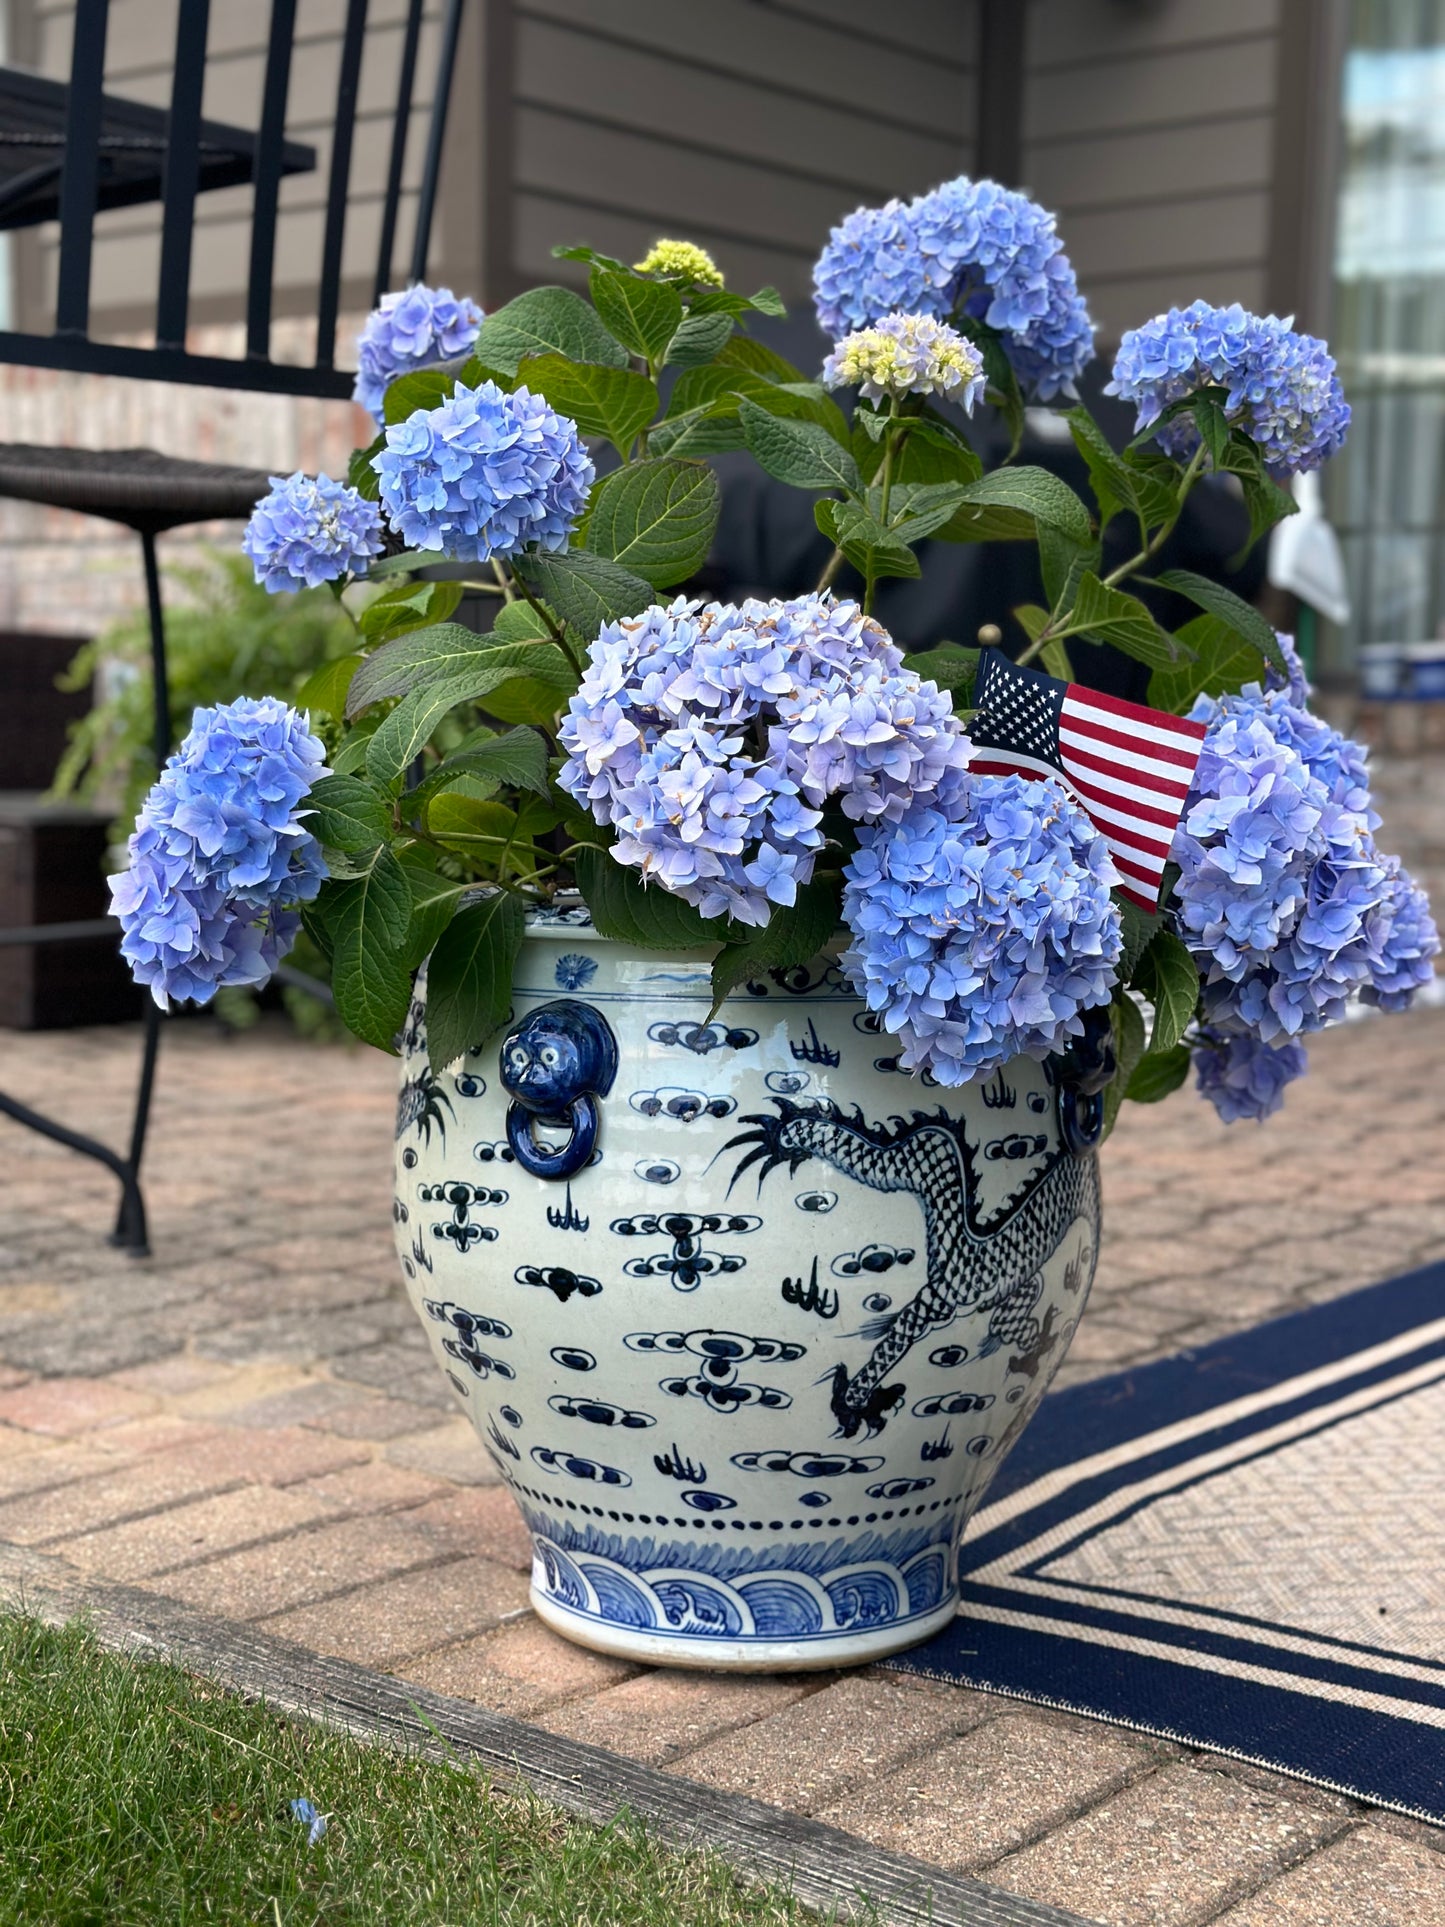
point(555, 1065)
point(1081, 1118)
point(568, 1159)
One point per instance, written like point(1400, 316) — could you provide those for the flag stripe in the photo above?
point(1140, 872)
point(1146, 805)
point(1175, 763)
point(1156, 725)
point(1171, 790)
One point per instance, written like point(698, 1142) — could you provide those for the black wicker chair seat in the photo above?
point(138, 487)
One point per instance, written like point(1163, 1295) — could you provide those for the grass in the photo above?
point(133, 1794)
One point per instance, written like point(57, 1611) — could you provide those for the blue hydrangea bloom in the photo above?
point(1280, 880)
point(1296, 683)
point(871, 267)
point(972, 247)
point(1242, 1076)
point(981, 931)
point(485, 474)
point(1404, 942)
point(309, 531)
point(1282, 389)
point(710, 738)
point(220, 851)
point(414, 328)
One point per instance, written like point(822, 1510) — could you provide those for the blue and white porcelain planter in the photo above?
point(751, 1366)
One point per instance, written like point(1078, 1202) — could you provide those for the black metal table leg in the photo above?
point(130, 1231)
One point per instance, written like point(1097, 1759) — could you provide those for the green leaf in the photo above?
point(873, 550)
point(698, 338)
point(546, 321)
point(360, 475)
point(644, 315)
point(352, 754)
point(1169, 977)
point(347, 814)
point(930, 454)
point(533, 699)
point(1062, 562)
point(519, 758)
point(408, 605)
point(586, 590)
point(1128, 1025)
point(324, 690)
point(1055, 658)
point(469, 977)
point(615, 402)
point(1157, 1075)
point(798, 453)
point(406, 732)
point(625, 908)
point(1108, 615)
point(592, 256)
point(1140, 927)
point(406, 562)
point(1214, 430)
point(792, 935)
point(1034, 492)
point(433, 899)
point(519, 622)
point(422, 388)
point(950, 666)
point(1003, 385)
point(743, 351)
point(1267, 503)
point(920, 507)
point(1223, 663)
point(656, 518)
point(368, 919)
point(1228, 608)
point(429, 655)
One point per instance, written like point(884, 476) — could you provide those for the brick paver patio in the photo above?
point(250, 1422)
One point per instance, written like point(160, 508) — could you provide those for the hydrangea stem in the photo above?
point(1057, 628)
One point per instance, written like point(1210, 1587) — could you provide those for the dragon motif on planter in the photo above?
point(977, 1264)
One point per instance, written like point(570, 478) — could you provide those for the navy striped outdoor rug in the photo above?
point(1240, 1548)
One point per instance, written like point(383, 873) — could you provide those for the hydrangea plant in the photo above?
point(748, 779)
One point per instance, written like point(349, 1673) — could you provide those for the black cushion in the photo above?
point(139, 487)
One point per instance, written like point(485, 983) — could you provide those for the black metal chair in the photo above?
point(66, 152)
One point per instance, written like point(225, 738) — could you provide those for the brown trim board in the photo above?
point(820, 1865)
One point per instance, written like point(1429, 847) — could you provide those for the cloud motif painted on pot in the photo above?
point(952, 1404)
point(808, 1465)
point(572, 1358)
point(680, 1104)
point(874, 1259)
point(657, 1170)
point(719, 1348)
point(897, 1488)
point(787, 1083)
point(494, 1151)
point(574, 970)
point(816, 1201)
point(709, 1501)
point(948, 1356)
point(557, 1279)
point(552, 1459)
point(597, 1411)
point(727, 1395)
point(702, 1039)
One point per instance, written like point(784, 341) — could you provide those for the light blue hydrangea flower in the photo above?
point(872, 266)
point(1280, 880)
point(485, 474)
point(971, 247)
point(1281, 386)
point(1242, 1076)
point(710, 739)
point(415, 328)
point(908, 354)
point(1404, 941)
point(220, 852)
point(310, 530)
point(1296, 684)
point(983, 930)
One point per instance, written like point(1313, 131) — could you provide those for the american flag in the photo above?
point(1128, 766)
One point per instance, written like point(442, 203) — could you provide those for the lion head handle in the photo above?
point(555, 1064)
